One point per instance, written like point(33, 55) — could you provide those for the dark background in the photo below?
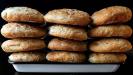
point(44, 6)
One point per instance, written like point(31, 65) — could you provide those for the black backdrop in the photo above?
point(45, 5)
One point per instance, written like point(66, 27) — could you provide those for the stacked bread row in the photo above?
point(24, 38)
point(68, 30)
point(113, 43)
point(69, 34)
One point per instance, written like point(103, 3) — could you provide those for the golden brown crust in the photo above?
point(19, 30)
point(18, 45)
point(68, 32)
point(65, 57)
point(67, 45)
point(111, 31)
point(111, 15)
point(68, 16)
point(110, 45)
point(107, 58)
point(22, 14)
point(27, 57)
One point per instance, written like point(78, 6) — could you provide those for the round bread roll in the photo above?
point(65, 57)
point(111, 15)
point(67, 45)
point(18, 45)
point(124, 31)
point(22, 14)
point(68, 17)
point(110, 45)
point(68, 32)
point(19, 30)
point(27, 57)
point(107, 58)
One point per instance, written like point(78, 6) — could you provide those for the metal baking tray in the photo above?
point(63, 67)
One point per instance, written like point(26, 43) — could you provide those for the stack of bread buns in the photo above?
point(24, 36)
point(68, 30)
point(106, 41)
point(109, 25)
